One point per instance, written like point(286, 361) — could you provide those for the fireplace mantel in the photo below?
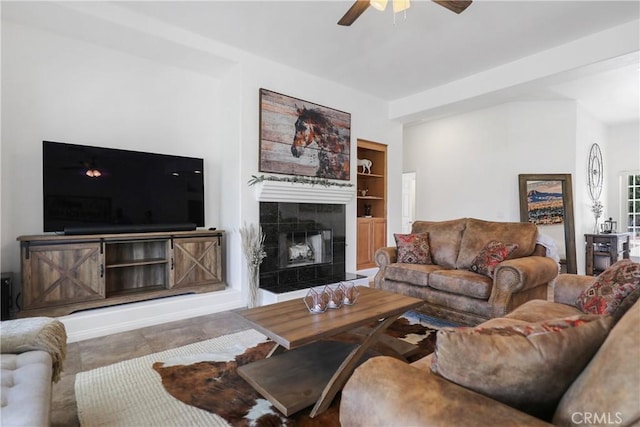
point(295, 192)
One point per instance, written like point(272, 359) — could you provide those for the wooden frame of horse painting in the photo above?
point(301, 138)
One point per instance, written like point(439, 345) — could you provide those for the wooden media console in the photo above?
point(62, 274)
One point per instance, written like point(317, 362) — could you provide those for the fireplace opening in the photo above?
point(305, 247)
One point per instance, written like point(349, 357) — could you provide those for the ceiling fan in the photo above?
point(457, 6)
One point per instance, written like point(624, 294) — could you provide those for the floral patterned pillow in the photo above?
point(610, 289)
point(413, 248)
point(490, 256)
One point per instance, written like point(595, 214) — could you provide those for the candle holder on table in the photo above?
point(336, 295)
point(351, 293)
point(317, 300)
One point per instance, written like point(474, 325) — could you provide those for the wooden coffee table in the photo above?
point(301, 369)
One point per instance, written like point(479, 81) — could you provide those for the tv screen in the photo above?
point(102, 189)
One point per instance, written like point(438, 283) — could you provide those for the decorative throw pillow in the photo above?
point(413, 248)
point(610, 289)
point(490, 256)
point(525, 365)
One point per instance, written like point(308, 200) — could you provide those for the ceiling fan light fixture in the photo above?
point(400, 5)
point(378, 4)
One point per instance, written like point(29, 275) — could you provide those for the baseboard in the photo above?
point(369, 272)
point(110, 320)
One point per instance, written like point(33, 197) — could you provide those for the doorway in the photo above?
point(408, 201)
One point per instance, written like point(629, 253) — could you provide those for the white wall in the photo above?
point(623, 155)
point(55, 88)
point(589, 130)
point(63, 89)
point(468, 165)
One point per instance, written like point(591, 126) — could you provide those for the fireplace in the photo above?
point(305, 245)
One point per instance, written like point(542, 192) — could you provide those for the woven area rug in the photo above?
point(197, 384)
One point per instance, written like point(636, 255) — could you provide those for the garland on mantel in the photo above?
point(298, 180)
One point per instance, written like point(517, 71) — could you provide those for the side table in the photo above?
point(605, 249)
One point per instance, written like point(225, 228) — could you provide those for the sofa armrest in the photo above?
point(386, 256)
point(520, 274)
point(36, 333)
point(388, 392)
point(26, 389)
point(383, 257)
point(569, 286)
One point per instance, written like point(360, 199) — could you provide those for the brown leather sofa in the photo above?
point(450, 290)
point(385, 391)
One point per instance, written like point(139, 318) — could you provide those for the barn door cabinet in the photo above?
point(63, 274)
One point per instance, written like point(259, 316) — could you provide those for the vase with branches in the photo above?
point(253, 248)
point(597, 209)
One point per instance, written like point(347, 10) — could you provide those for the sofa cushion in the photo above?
point(413, 248)
point(415, 274)
point(610, 385)
point(525, 365)
point(26, 389)
point(611, 288)
point(36, 333)
point(444, 239)
point(492, 254)
point(478, 232)
point(537, 310)
point(461, 282)
point(626, 304)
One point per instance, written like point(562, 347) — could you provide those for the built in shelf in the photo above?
point(371, 209)
point(369, 175)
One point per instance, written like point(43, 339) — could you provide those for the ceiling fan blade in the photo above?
point(354, 12)
point(457, 6)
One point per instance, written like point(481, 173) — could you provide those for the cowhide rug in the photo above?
point(216, 387)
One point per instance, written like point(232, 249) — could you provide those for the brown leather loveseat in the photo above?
point(452, 291)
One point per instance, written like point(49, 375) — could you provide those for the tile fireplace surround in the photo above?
point(297, 224)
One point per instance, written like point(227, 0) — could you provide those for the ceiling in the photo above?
point(391, 57)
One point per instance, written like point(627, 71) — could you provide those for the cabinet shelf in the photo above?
point(134, 291)
point(370, 198)
point(605, 254)
point(140, 262)
point(369, 175)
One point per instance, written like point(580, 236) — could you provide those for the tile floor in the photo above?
point(97, 352)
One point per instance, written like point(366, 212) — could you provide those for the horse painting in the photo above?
point(302, 138)
point(313, 127)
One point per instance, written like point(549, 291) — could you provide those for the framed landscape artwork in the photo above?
point(547, 201)
point(544, 202)
point(302, 138)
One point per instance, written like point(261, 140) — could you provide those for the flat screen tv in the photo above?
point(89, 190)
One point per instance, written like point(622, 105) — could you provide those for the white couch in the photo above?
point(33, 352)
